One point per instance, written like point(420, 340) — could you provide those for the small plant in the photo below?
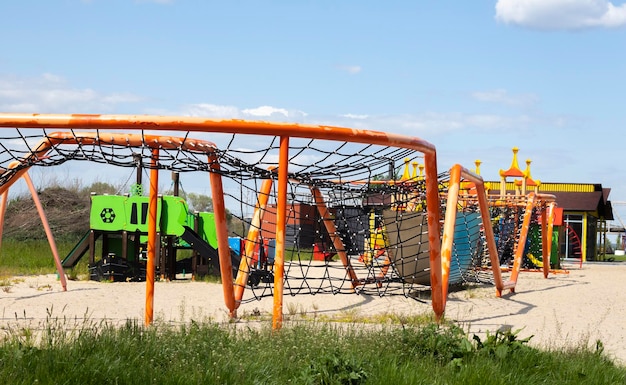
point(292, 308)
point(182, 308)
point(78, 272)
point(6, 285)
point(315, 309)
point(72, 274)
point(335, 368)
point(501, 344)
point(46, 287)
point(443, 343)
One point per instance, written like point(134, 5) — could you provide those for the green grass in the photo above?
point(296, 254)
point(615, 258)
point(29, 257)
point(319, 353)
point(346, 349)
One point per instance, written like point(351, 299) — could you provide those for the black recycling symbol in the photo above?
point(107, 215)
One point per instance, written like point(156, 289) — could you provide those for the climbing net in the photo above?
point(364, 201)
point(355, 206)
point(518, 231)
point(375, 197)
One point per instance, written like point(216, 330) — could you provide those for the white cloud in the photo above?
point(231, 112)
point(351, 69)
point(211, 111)
point(561, 14)
point(431, 125)
point(266, 111)
point(51, 93)
point(501, 96)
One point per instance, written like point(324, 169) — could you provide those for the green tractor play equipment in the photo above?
point(119, 229)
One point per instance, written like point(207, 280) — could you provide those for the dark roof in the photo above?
point(579, 201)
point(585, 201)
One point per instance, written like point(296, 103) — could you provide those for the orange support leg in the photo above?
point(281, 223)
point(46, 226)
point(434, 240)
point(152, 237)
point(547, 227)
point(221, 231)
point(448, 229)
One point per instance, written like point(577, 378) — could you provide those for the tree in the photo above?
point(199, 202)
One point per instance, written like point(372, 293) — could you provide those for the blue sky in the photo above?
point(475, 78)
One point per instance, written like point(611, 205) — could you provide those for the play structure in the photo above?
point(323, 209)
point(116, 240)
point(533, 256)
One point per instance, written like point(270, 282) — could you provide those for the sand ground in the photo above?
point(567, 309)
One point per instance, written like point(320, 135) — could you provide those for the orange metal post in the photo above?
point(221, 231)
point(251, 240)
point(547, 227)
point(46, 226)
point(448, 229)
point(332, 232)
point(434, 239)
point(152, 236)
point(281, 223)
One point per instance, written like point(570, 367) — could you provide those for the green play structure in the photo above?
point(117, 237)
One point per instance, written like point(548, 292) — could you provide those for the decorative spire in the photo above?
point(514, 170)
point(529, 180)
point(407, 173)
point(414, 170)
point(478, 162)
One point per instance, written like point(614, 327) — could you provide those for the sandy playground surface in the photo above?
point(581, 306)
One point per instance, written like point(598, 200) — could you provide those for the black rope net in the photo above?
point(374, 196)
point(507, 221)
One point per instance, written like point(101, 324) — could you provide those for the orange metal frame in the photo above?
point(284, 131)
point(532, 199)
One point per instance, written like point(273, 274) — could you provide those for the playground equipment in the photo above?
point(120, 223)
point(533, 256)
point(306, 188)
